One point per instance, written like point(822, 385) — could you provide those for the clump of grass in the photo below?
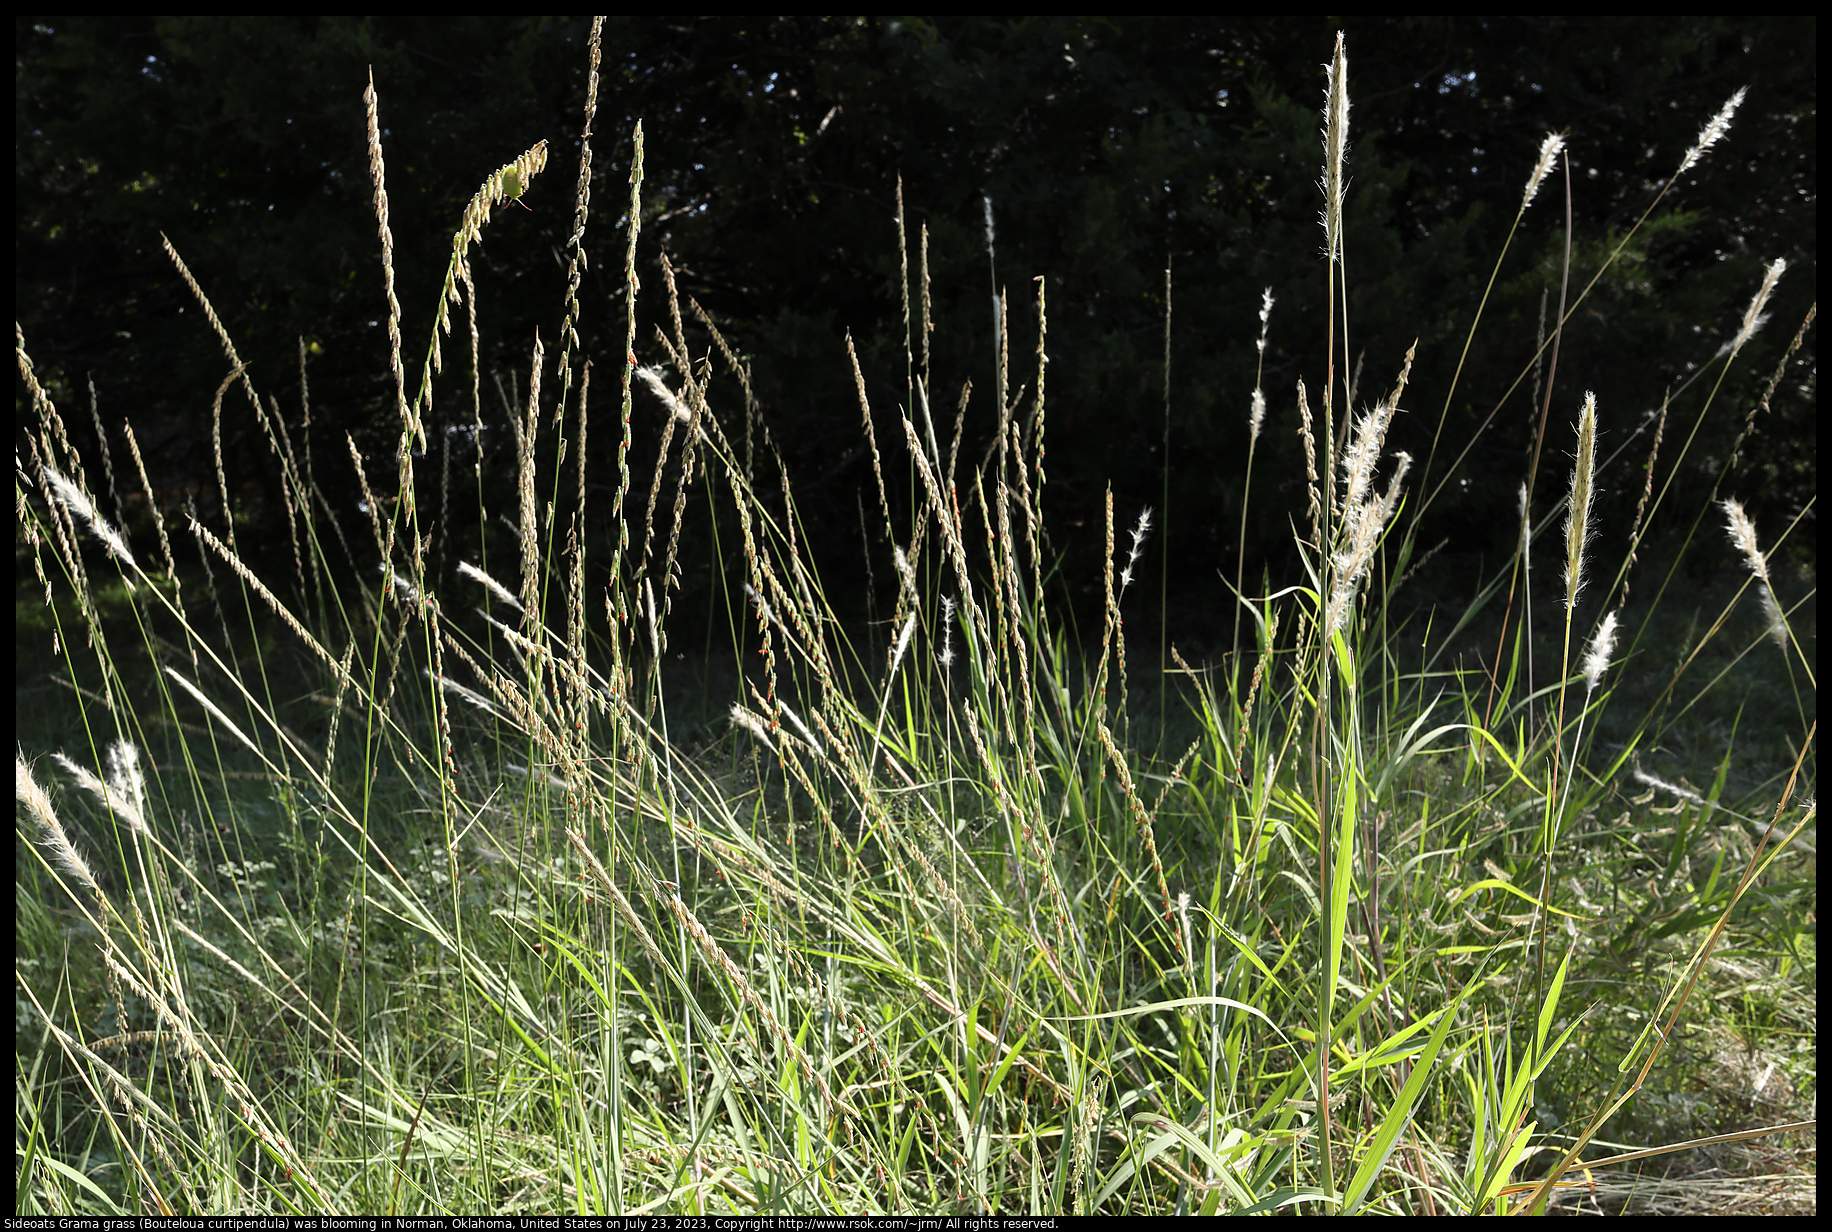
point(921, 931)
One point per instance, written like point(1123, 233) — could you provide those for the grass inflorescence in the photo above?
point(928, 925)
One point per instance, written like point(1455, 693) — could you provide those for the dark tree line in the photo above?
point(1105, 150)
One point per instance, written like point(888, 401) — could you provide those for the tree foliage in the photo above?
point(1106, 149)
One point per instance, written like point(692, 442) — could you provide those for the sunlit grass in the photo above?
point(426, 894)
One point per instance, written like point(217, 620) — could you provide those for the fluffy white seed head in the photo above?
point(1389, 501)
point(402, 587)
point(38, 803)
point(1138, 545)
point(469, 696)
point(1753, 317)
point(1364, 453)
point(1526, 532)
point(1684, 793)
point(496, 588)
point(1577, 510)
point(751, 723)
point(1602, 646)
point(114, 795)
point(648, 605)
point(801, 728)
point(903, 642)
point(77, 501)
point(653, 378)
point(1335, 145)
point(1139, 529)
point(1743, 535)
point(126, 781)
point(1549, 150)
point(1713, 131)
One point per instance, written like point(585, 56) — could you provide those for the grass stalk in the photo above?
point(907, 922)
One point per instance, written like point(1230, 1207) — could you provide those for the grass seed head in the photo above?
point(1335, 146)
point(77, 501)
point(1549, 150)
point(38, 804)
point(1753, 316)
point(1743, 535)
point(1602, 646)
point(1577, 518)
point(1713, 131)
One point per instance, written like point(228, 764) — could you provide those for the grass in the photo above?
point(435, 895)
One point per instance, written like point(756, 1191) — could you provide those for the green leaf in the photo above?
point(1399, 1115)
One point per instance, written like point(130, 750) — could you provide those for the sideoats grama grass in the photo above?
point(921, 932)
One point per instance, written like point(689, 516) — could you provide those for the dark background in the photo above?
point(1108, 148)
